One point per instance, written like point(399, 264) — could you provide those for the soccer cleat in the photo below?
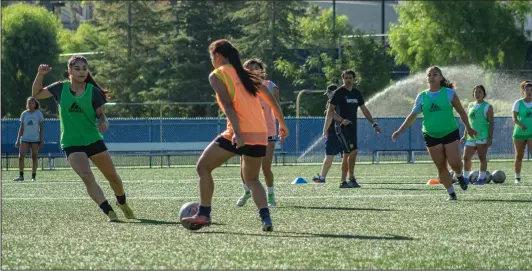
point(344, 184)
point(462, 182)
point(242, 200)
point(19, 179)
point(128, 213)
point(480, 182)
point(353, 183)
point(517, 180)
point(198, 219)
point(452, 196)
point(318, 179)
point(33, 180)
point(271, 200)
point(112, 217)
point(267, 224)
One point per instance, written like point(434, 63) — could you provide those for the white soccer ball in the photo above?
point(187, 210)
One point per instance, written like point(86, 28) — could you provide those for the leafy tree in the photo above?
point(270, 31)
point(190, 26)
point(29, 38)
point(129, 61)
point(365, 55)
point(488, 33)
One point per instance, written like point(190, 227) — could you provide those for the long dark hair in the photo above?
point(37, 104)
point(444, 82)
point(90, 78)
point(250, 81)
point(481, 87)
point(258, 62)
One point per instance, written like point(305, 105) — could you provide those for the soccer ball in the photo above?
point(473, 177)
point(488, 177)
point(187, 210)
point(498, 176)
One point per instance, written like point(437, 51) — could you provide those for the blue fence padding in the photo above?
point(206, 129)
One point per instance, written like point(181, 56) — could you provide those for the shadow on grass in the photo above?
point(141, 221)
point(288, 234)
point(393, 183)
point(334, 208)
point(402, 189)
point(501, 200)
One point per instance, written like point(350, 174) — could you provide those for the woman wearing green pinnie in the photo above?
point(440, 129)
point(522, 117)
point(481, 120)
point(81, 102)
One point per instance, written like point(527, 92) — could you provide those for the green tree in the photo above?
point(128, 64)
point(183, 54)
point(459, 32)
point(365, 55)
point(29, 38)
point(270, 31)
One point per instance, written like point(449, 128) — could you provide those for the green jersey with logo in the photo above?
point(78, 118)
point(478, 121)
point(438, 117)
point(525, 117)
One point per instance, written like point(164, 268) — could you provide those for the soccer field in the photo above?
point(395, 221)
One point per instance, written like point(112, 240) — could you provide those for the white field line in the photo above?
point(285, 197)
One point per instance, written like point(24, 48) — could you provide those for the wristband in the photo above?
point(374, 125)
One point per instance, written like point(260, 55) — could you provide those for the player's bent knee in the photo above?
point(202, 168)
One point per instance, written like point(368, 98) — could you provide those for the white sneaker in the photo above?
point(271, 200)
point(242, 200)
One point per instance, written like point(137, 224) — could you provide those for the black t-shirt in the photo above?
point(347, 102)
point(98, 97)
point(333, 122)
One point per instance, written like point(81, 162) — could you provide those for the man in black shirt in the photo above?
point(343, 107)
point(332, 144)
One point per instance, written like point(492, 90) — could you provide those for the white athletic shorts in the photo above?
point(475, 143)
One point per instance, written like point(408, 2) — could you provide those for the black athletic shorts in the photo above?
point(347, 135)
point(332, 144)
point(247, 150)
point(90, 150)
point(449, 138)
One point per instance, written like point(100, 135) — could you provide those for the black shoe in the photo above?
point(267, 224)
point(318, 179)
point(353, 183)
point(452, 196)
point(345, 185)
point(462, 182)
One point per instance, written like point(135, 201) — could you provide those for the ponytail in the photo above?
point(446, 83)
point(91, 80)
point(250, 81)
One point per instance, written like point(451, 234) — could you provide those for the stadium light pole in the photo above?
point(383, 21)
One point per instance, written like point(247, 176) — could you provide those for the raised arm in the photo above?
point(37, 90)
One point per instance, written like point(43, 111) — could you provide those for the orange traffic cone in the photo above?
point(433, 181)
